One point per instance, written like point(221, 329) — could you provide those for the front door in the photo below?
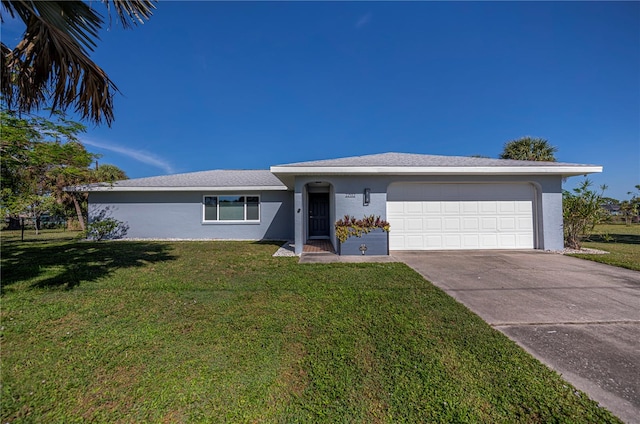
point(318, 215)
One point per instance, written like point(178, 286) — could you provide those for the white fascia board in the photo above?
point(207, 188)
point(438, 170)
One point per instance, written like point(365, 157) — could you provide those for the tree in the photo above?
point(528, 148)
point(39, 157)
point(51, 63)
point(630, 208)
point(108, 174)
point(582, 211)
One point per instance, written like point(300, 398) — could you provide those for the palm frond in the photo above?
point(51, 62)
point(74, 18)
point(131, 12)
point(5, 71)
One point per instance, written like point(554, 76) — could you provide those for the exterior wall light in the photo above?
point(366, 199)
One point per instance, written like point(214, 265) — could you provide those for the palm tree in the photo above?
point(73, 169)
point(51, 62)
point(108, 173)
point(529, 148)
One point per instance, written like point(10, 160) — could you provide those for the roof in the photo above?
point(417, 160)
point(281, 177)
point(216, 180)
point(417, 164)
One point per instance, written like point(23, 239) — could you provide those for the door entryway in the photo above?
point(318, 215)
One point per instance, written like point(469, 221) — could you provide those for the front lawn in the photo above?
point(621, 241)
point(223, 332)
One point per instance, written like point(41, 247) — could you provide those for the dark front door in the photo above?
point(318, 214)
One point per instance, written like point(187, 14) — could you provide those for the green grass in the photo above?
point(621, 241)
point(223, 332)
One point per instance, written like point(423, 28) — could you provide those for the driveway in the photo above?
point(581, 318)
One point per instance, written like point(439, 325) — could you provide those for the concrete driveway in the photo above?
point(581, 318)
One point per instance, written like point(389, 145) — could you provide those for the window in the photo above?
point(231, 208)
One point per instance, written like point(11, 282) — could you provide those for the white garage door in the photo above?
point(460, 216)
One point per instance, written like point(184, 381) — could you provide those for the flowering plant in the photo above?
point(350, 226)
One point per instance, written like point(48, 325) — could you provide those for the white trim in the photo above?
point(567, 170)
point(230, 223)
point(187, 188)
point(227, 221)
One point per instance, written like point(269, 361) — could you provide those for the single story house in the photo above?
point(431, 202)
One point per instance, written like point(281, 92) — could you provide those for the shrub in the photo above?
point(581, 211)
point(350, 226)
point(103, 228)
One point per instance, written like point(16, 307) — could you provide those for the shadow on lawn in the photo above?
point(73, 263)
point(276, 243)
point(615, 238)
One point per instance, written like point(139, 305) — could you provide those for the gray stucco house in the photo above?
point(431, 202)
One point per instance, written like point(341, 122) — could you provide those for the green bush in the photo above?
point(103, 228)
point(581, 211)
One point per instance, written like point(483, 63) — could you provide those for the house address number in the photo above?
point(350, 195)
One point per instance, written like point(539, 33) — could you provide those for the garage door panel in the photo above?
point(398, 224)
point(452, 241)
point(489, 224)
point(432, 224)
point(469, 208)
point(488, 208)
point(434, 208)
point(471, 241)
point(523, 207)
point(414, 241)
point(413, 224)
point(470, 224)
point(425, 216)
point(451, 208)
point(525, 223)
point(395, 208)
point(489, 241)
point(524, 240)
point(451, 224)
point(434, 240)
point(506, 223)
point(506, 207)
point(397, 240)
point(413, 208)
point(506, 241)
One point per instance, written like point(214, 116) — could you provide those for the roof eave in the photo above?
point(115, 188)
point(568, 170)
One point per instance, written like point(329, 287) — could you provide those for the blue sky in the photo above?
point(244, 85)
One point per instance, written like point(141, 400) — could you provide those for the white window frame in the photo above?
point(236, 221)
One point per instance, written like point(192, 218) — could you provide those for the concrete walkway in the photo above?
point(581, 318)
point(327, 257)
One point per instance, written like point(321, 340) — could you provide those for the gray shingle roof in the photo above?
point(383, 163)
point(217, 179)
point(417, 160)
